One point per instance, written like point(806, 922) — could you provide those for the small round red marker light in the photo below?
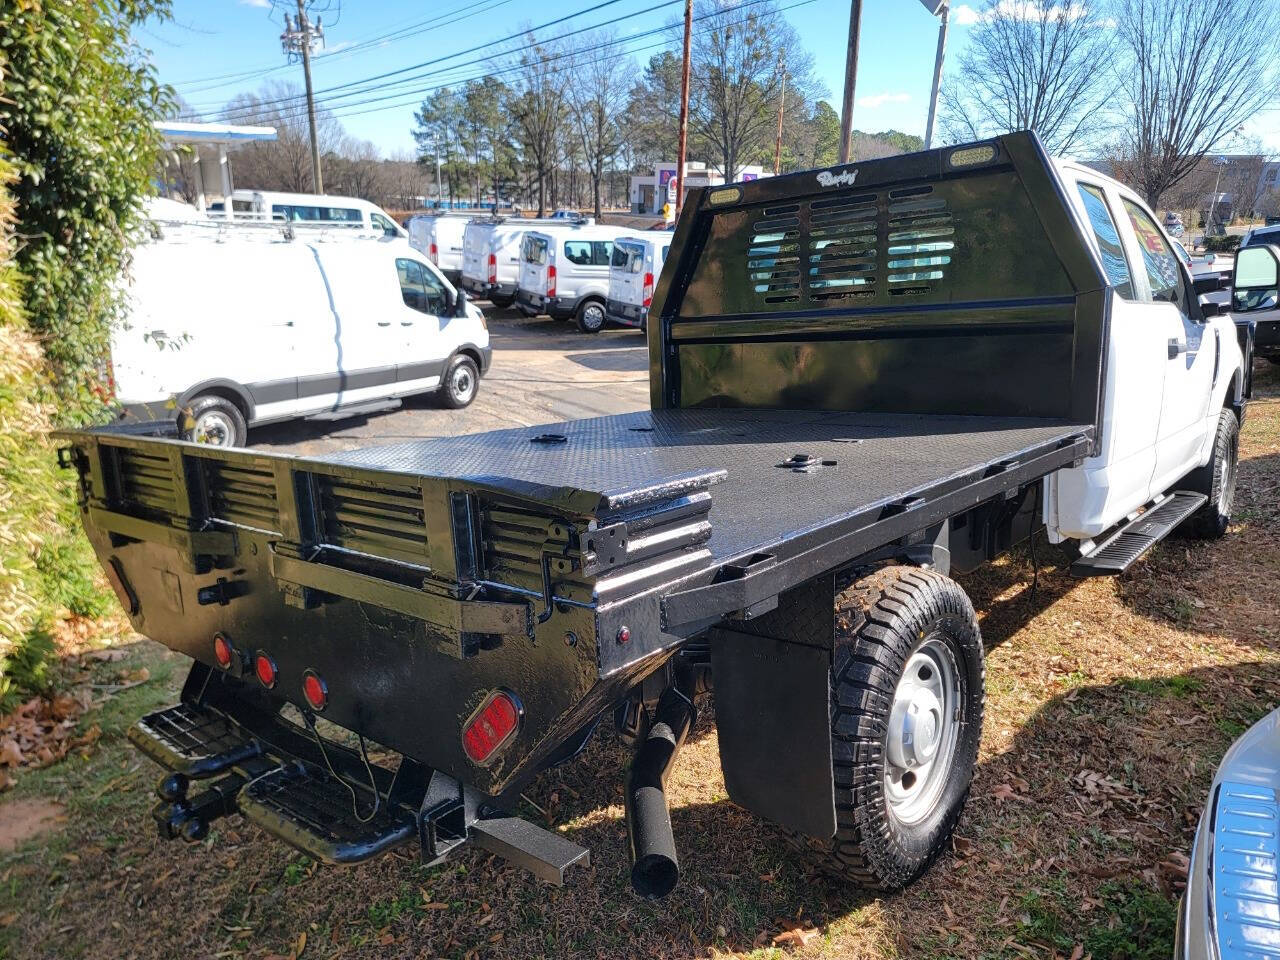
point(223, 652)
point(265, 668)
point(491, 727)
point(315, 690)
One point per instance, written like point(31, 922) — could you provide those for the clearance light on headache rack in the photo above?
point(972, 156)
point(491, 727)
point(718, 198)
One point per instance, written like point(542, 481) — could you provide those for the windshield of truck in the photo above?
point(534, 250)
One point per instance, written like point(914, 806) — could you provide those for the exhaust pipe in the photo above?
point(654, 867)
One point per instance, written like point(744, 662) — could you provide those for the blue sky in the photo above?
point(216, 38)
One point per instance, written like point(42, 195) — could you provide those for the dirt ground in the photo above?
point(1110, 702)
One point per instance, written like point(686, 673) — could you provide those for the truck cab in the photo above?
point(1172, 365)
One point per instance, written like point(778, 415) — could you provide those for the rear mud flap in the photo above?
point(773, 717)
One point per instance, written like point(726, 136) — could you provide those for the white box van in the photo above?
point(315, 208)
point(633, 271)
point(439, 236)
point(491, 255)
point(564, 273)
point(248, 330)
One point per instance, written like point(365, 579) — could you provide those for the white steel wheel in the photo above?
point(923, 728)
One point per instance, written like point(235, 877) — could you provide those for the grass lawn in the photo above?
point(1109, 703)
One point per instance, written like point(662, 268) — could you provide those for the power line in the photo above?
point(478, 47)
point(416, 28)
point(350, 110)
point(289, 103)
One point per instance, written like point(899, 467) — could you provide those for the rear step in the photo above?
point(193, 740)
point(1122, 549)
point(315, 812)
point(330, 817)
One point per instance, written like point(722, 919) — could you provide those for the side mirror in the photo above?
point(1255, 279)
point(460, 303)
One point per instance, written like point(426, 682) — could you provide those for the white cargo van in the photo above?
point(223, 334)
point(439, 236)
point(564, 273)
point(315, 208)
point(633, 271)
point(491, 255)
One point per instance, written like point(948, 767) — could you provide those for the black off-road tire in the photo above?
point(460, 383)
point(882, 619)
point(214, 420)
point(1217, 481)
point(590, 316)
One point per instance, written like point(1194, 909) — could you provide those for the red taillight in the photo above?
point(491, 727)
point(265, 668)
point(434, 253)
point(648, 290)
point(223, 652)
point(551, 280)
point(315, 690)
point(493, 268)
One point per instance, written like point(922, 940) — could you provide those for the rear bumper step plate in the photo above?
point(1122, 549)
point(316, 813)
point(193, 740)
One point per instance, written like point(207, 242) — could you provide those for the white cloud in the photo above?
point(966, 16)
point(880, 99)
point(260, 4)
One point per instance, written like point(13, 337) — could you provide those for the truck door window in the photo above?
point(419, 288)
point(1104, 231)
point(601, 250)
point(1161, 264)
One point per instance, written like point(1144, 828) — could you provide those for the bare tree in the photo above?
point(1194, 73)
point(538, 107)
point(598, 99)
point(283, 163)
point(738, 68)
point(1032, 65)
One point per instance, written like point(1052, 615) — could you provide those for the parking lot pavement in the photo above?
point(543, 371)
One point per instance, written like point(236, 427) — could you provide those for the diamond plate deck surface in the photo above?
point(879, 459)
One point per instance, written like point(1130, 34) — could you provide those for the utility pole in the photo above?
point(782, 102)
point(297, 41)
point(937, 74)
point(684, 105)
point(850, 78)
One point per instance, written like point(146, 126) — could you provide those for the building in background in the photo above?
point(190, 148)
point(649, 193)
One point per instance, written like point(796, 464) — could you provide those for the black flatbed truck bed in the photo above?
point(842, 379)
point(805, 488)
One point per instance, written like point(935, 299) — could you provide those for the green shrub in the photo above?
point(1223, 244)
point(46, 565)
point(78, 109)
